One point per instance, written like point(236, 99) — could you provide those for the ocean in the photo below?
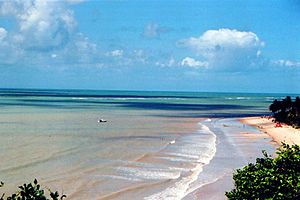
point(154, 145)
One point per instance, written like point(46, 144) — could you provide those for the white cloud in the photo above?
point(191, 62)
point(216, 40)
point(139, 52)
point(115, 53)
point(286, 63)
point(8, 8)
point(226, 49)
point(139, 55)
point(80, 50)
point(3, 33)
point(42, 25)
point(168, 63)
point(153, 30)
point(75, 1)
point(171, 62)
point(9, 52)
point(43, 28)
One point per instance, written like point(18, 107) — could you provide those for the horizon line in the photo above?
point(139, 90)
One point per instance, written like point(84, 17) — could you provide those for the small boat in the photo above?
point(172, 142)
point(102, 120)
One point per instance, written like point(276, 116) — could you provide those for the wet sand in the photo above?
point(266, 131)
point(238, 144)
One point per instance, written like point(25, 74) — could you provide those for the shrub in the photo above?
point(269, 178)
point(31, 192)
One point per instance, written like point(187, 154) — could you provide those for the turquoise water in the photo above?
point(230, 104)
point(154, 145)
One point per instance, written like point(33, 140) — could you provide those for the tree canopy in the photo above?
point(269, 178)
point(32, 191)
point(286, 111)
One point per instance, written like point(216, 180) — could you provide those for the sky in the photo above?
point(172, 45)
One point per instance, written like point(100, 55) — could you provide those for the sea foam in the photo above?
point(197, 148)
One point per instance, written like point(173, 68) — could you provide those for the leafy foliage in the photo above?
point(32, 192)
point(269, 178)
point(286, 111)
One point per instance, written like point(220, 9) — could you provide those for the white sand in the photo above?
point(285, 134)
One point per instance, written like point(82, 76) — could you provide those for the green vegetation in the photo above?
point(270, 178)
point(32, 192)
point(286, 111)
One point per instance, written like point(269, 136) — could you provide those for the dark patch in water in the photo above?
point(88, 94)
point(175, 106)
point(214, 115)
point(132, 105)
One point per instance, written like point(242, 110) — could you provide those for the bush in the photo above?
point(31, 192)
point(270, 178)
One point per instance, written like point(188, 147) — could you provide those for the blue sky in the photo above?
point(227, 46)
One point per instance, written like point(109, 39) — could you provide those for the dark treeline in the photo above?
point(286, 111)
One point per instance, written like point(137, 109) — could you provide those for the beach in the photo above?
point(285, 134)
point(238, 144)
point(154, 145)
point(148, 100)
point(265, 131)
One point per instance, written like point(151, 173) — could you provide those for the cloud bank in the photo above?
point(191, 62)
point(42, 25)
point(43, 29)
point(286, 63)
point(3, 33)
point(226, 49)
point(154, 30)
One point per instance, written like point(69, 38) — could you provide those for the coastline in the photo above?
point(286, 133)
point(171, 147)
point(262, 134)
point(236, 141)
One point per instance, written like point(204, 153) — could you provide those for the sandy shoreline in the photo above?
point(285, 134)
point(266, 129)
point(238, 142)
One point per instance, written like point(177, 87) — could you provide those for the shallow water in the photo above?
point(154, 145)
